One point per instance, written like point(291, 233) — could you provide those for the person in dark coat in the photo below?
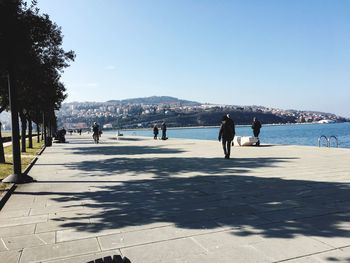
point(256, 126)
point(164, 131)
point(155, 131)
point(226, 134)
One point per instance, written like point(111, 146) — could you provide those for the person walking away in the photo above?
point(226, 134)
point(155, 131)
point(256, 126)
point(164, 131)
point(95, 132)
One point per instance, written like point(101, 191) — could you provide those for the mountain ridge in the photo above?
point(144, 112)
point(169, 100)
point(156, 100)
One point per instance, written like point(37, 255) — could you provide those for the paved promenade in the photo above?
point(180, 201)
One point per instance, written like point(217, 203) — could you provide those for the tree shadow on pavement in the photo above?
point(164, 167)
point(197, 193)
point(122, 150)
point(130, 139)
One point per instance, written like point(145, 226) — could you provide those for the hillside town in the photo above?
point(144, 111)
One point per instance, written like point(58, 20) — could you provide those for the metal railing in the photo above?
point(328, 140)
point(336, 140)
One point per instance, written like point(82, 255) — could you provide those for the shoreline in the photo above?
point(305, 134)
point(218, 126)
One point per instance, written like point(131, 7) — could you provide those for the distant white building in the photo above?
point(326, 121)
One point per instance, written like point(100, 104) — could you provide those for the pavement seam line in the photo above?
point(199, 244)
point(35, 228)
point(165, 240)
point(45, 243)
point(307, 255)
point(341, 248)
point(28, 213)
point(120, 252)
point(315, 238)
point(99, 245)
point(77, 256)
point(20, 255)
point(3, 242)
point(151, 242)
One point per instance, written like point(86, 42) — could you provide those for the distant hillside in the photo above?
point(210, 117)
point(156, 100)
point(145, 112)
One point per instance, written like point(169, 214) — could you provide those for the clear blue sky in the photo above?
point(290, 54)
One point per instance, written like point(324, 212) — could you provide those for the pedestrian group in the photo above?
point(156, 131)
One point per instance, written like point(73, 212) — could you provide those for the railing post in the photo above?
point(336, 140)
point(319, 140)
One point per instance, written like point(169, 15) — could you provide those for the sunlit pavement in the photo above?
point(180, 201)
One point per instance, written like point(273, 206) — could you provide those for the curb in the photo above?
point(42, 150)
point(6, 195)
point(30, 165)
point(12, 187)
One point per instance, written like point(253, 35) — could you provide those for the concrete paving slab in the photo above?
point(19, 242)
point(126, 229)
point(240, 220)
point(163, 251)
point(86, 258)
point(25, 200)
point(10, 256)
point(47, 238)
point(282, 249)
point(3, 245)
point(54, 209)
point(307, 259)
point(151, 235)
point(73, 234)
point(246, 254)
point(17, 230)
point(60, 224)
point(5, 222)
point(78, 213)
point(21, 205)
point(338, 238)
point(15, 213)
point(228, 239)
point(336, 255)
point(60, 250)
point(280, 196)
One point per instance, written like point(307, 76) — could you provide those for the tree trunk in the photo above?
point(43, 129)
point(23, 131)
point(50, 128)
point(30, 134)
point(42, 132)
point(38, 132)
point(2, 152)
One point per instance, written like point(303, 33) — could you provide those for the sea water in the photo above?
point(289, 134)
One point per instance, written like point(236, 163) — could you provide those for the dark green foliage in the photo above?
point(31, 51)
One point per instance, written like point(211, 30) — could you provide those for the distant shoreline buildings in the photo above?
point(145, 112)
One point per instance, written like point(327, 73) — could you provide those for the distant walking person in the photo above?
point(164, 131)
point(155, 131)
point(256, 126)
point(96, 132)
point(226, 134)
